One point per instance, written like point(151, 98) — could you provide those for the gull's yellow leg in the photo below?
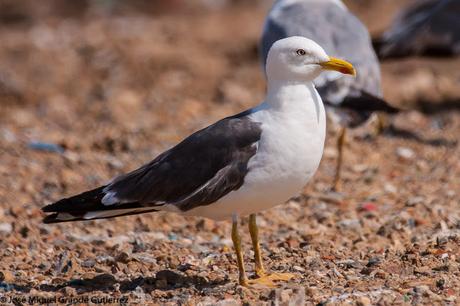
point(381, 124)
point(340, 145)
point(236, 238)
point(263, 279)
point(254, 231)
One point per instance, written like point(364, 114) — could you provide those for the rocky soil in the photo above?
point(89, 92)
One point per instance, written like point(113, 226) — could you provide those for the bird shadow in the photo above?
point(164, 280)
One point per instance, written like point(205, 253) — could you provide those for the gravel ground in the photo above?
point(87, 96)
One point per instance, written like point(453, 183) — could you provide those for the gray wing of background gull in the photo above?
point(342, 35)
point(427, 27)
point(200, 170)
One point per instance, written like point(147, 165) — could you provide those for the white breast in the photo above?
point(289, 153)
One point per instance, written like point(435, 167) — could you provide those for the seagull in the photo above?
point(428, 27)
point(349, 101)
point(236, 167)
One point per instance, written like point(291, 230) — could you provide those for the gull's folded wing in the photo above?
point(198, 171)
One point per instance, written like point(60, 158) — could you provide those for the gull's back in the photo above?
point(339, 32)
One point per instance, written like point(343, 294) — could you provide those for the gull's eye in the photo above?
point(301, 52)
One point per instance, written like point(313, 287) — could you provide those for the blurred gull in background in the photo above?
point(427, 27)
point(350, 101)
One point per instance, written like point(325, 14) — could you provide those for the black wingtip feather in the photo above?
point(75, 208)
point(367, 102)
point(51, 219)
point(86, 201)
point(54, 218)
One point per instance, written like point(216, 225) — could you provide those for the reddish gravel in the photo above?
point(114, 90)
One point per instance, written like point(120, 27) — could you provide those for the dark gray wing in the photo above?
point(342, 35)
point(198, 171)
point(427, 27)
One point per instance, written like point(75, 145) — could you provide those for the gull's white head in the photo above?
point(300, 59)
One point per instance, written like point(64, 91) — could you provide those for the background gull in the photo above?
point(427, 27)
point(238, 166)
point(349, 101)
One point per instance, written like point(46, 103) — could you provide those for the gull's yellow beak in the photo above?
point(339, 65)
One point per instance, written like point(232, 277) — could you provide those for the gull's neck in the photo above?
point(295, 101)
point(293, 107)
point(287, 96)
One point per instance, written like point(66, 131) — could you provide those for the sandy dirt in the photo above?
point(90, 92)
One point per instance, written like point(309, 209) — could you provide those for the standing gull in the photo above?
point(235, 167)
point(350, 102)
point(426, 27)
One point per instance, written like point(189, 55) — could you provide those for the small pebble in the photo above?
point(412, 201)
point(390, 188)
point(363, 301)
point(6, 276)
point(298, 268)
point(374, 261)
point(368, 206)
point(89, 263)
point(122, 257)
point(405, 153)
point(350, 224)
point(46, 147)
point(6, 228)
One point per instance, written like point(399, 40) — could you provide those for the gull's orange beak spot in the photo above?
point(339, 65)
